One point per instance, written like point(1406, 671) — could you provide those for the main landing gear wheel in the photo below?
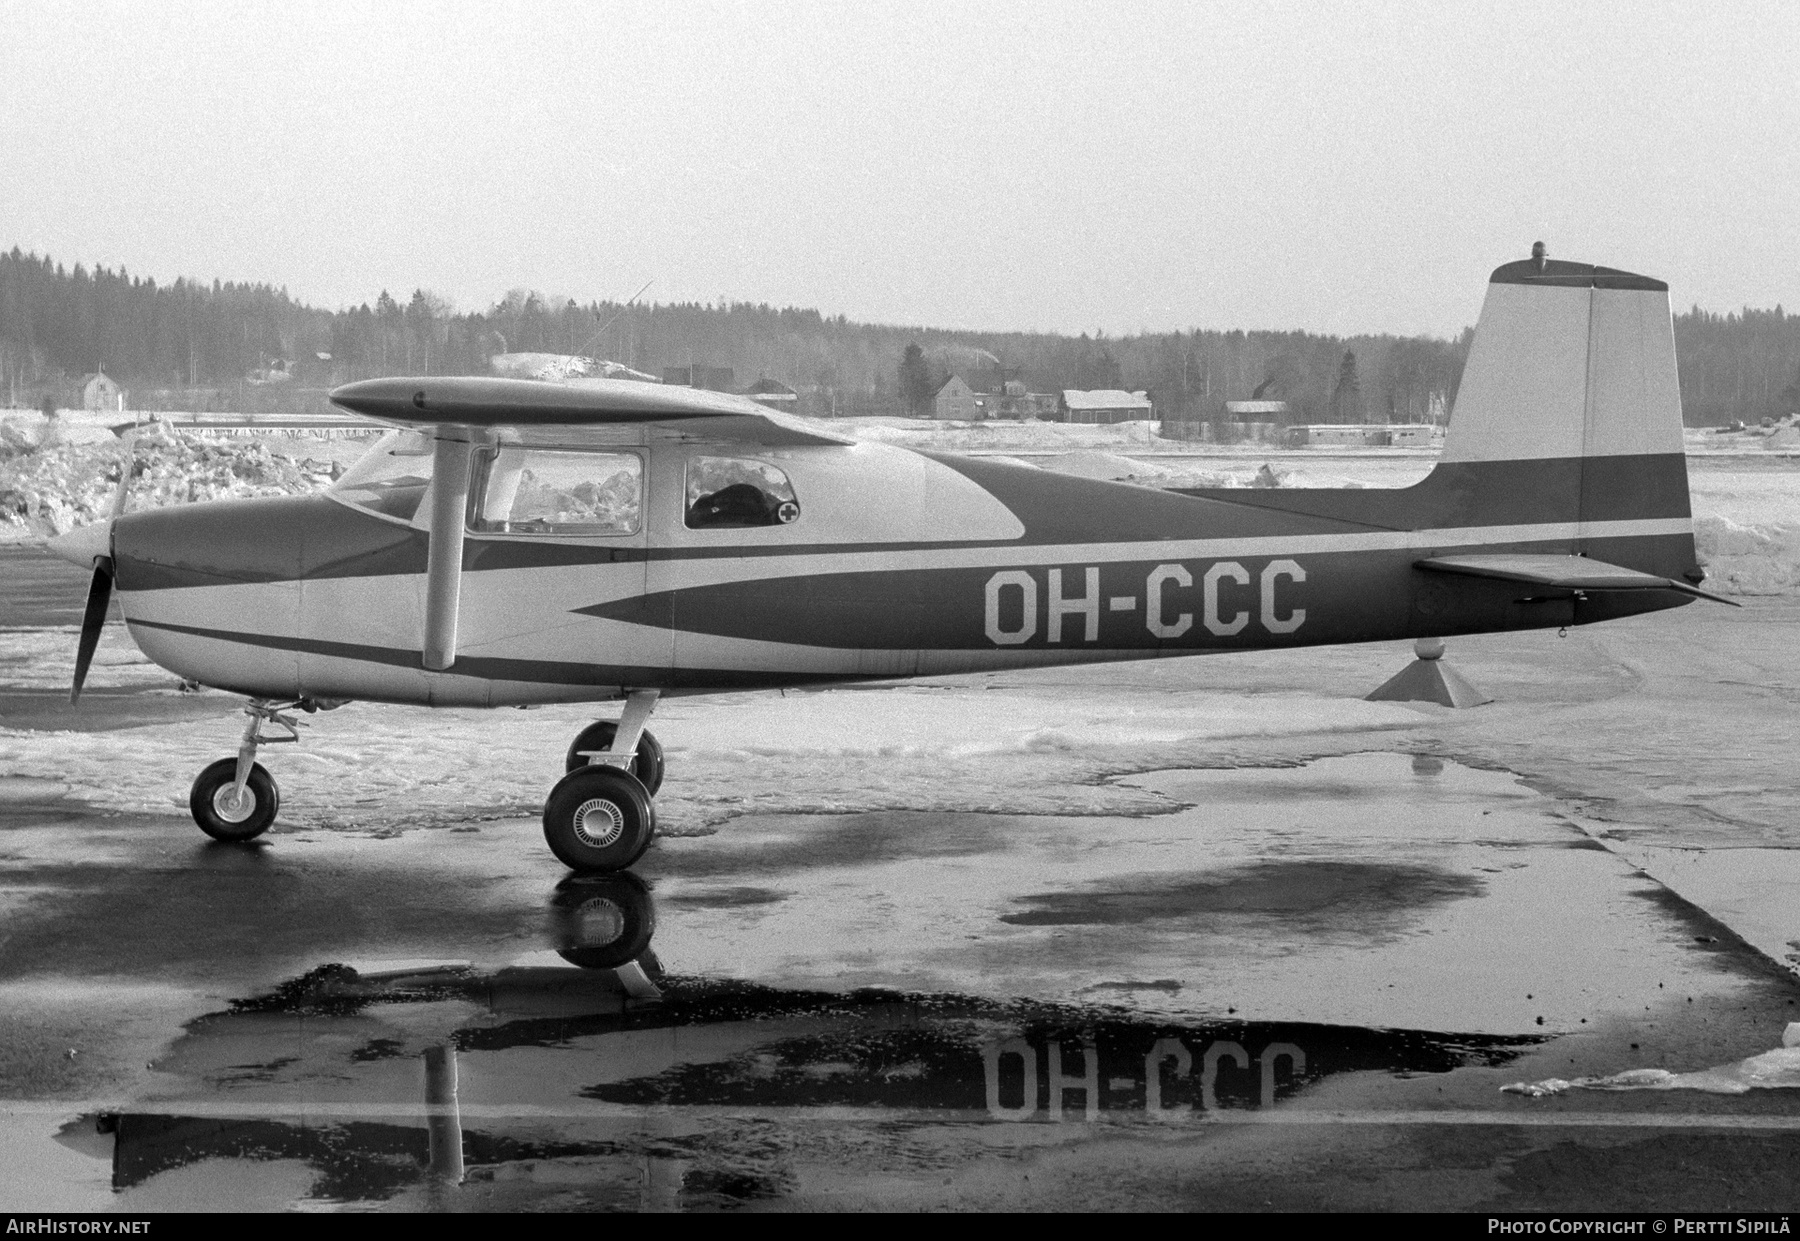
point(604, 921)
point(599, 819)
point(647, 766)
point(225, 814)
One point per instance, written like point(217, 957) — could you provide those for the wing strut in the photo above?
point(443, 557)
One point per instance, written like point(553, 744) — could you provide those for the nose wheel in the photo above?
point(236, 798)
point(601, 815)
point(227, 811)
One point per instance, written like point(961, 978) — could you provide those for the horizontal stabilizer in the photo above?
point(477, 401)
point(1561, 572)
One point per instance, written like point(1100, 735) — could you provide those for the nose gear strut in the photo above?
point(262, 711)
point(236, 798)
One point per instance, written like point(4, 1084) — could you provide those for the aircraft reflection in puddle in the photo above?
point(644, 1088)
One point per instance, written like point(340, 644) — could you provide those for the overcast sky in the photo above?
point(1335, 167)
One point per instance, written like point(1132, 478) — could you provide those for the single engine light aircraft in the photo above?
point(519, 541)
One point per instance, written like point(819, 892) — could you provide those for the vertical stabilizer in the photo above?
point(1569, 360)
point(1572, 370)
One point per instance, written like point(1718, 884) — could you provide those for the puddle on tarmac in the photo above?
point(628, 1087)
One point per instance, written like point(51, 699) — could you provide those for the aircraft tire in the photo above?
point(209, 801)
point(648, 767)
point(602, 921)
point(599, 820)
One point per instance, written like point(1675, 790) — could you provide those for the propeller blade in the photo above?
point(92, 621)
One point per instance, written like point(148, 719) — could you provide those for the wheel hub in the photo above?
point(598, 923)
point(599, 822)
point(231, 805)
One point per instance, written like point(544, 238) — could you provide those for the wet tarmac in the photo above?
point(1291, 968)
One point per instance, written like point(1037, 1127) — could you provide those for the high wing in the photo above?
point(480, 401)
point(1560, 572)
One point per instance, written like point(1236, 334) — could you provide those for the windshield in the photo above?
point(390, 478)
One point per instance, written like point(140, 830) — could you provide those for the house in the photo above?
point(1014, 401)
point(1104, 405)
point(1236, 421)
point(956, 402)
point(774, 394)
point(98, 391)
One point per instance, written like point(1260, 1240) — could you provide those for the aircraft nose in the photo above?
point(81, 545)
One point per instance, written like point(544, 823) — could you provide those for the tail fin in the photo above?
point(1572, 369)
point(1568, 361)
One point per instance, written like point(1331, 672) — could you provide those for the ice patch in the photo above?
point(380, 769)
point(928, 720)
point(1772, 1070)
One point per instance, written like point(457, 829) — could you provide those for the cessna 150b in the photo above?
point(518, 541)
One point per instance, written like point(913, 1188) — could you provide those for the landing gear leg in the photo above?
point(235, 798)
point(600, 816)
point(605, 741)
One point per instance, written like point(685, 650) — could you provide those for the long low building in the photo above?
point(1365, 434)
point(1104, 405)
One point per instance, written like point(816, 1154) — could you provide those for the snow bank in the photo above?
point(1746, 559)
point(62, 477)
point(1772, 1070)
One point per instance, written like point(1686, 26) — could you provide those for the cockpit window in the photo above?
point(727, 492)
point(390, 478)
point(560, 491)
